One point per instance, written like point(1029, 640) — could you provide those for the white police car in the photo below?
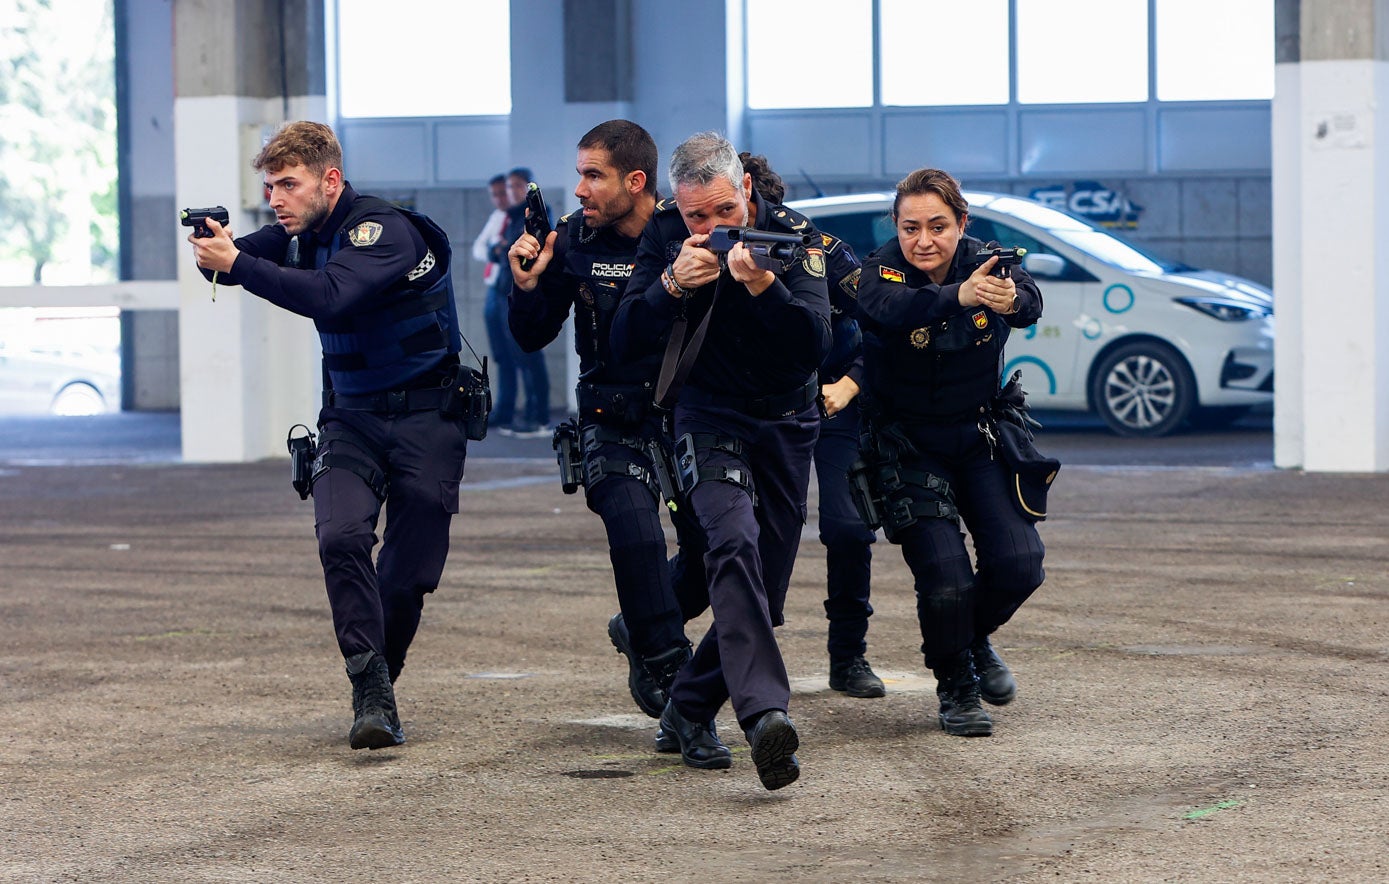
point(1146, 344)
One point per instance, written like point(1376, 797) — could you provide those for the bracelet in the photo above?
point(671, 286)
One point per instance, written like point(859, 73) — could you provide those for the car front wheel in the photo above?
point(78, 398)
point(1143, 389)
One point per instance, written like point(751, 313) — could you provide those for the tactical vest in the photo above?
point(385, 348)
point(602, 272)
point(950, 368)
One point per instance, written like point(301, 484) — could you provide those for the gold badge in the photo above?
point(980, 320)
point(815, 262)
point(364, 234)
point(827, 239)
point(891, 275)
point(920, 338)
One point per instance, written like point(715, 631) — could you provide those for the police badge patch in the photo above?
point(815, 262)
point(920, 338)
point(364, 234)
point(980, 320)
point(849, 283)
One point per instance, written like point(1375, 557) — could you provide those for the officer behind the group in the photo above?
point(748, 408)
point(377, 288)
point(848, 556)
point(586, 264)
point(935, 329)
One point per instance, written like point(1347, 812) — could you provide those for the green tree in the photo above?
point(57, 131)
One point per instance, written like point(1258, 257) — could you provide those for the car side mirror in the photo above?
point(1043, 266)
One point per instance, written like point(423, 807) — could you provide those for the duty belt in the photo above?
point(392, 402)
point(778, 405)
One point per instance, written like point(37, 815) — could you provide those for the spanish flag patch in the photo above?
point(891, 275)
point(981, 320)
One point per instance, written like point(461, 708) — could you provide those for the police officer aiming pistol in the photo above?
point(617, 447)
point(375, 281)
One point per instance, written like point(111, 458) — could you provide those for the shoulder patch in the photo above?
point(565, 219)
point(790, 218)
point(891, 275)
point(666, 205)
point(814, 262)
point(849, 284)
point(364, 234)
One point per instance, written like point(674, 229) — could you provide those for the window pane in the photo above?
point(59, 223)
point(814, 53)
point(423, 58)
point(1238, 32)
point(1082, 51)
point(918, 68)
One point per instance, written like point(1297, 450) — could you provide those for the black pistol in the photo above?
point(197, 219)
point(770, 251)
point(1006, 258)
point(537, 220)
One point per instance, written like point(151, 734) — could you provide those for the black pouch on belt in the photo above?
point(1031, 472)
point(1008, 427)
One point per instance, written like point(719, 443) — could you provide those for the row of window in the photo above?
point(860, 53)
point(946, 52)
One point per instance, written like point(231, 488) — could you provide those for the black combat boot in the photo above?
point(774, 742)
point(996, 682)
point(650, 696)
point(376, 724)
point(855, 678)
point(697, 741)
point(958, 690)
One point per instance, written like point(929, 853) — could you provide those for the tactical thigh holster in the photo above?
point(598, 467)
point(688, 473)
point(341, 449)
point(888, 496)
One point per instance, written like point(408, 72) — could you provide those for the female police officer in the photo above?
point(935, 328)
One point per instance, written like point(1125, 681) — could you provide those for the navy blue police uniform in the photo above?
point(748, 407)
point(933, 368)
point(848, 556)
point(375, 281)
point(619, 430)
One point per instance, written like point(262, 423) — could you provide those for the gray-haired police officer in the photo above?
point(375, 281)
point(746, 421)
point(848, 554)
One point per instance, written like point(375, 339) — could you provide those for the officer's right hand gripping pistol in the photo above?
point(197, 219)
point(1007, 258)
point(537, 220)
point(770, 250)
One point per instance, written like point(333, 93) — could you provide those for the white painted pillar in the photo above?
point(1331, 223)
point(247, 370)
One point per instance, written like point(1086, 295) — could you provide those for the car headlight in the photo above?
point(1227, 310)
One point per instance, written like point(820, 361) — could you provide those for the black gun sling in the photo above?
point(676, 365)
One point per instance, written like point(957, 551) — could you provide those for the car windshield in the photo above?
point(1100, 243)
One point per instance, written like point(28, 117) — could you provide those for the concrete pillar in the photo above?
point(247, 370)
point(144, 122)
point(1331, 219)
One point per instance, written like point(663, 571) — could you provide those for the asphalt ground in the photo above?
point(1202, 689)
